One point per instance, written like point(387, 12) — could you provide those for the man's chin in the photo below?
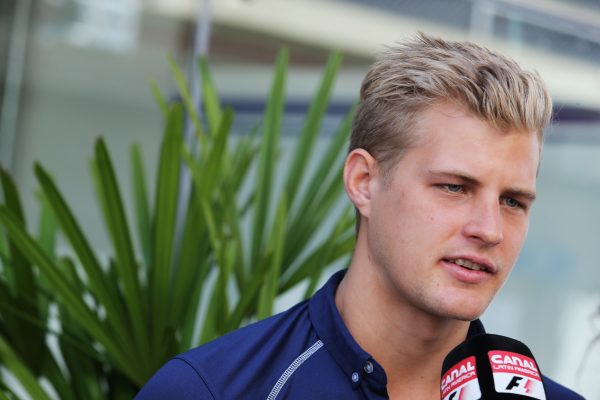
point(467, 318)
point(460, 313)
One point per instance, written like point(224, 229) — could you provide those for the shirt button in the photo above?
point(368, 367)
point(355, 377)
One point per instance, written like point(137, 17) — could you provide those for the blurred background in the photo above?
point(71, 70)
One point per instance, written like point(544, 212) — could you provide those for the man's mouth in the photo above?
point(468, 264)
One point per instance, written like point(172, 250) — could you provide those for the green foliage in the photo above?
point(244, 241)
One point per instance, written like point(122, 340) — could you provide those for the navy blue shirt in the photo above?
point(303, 353)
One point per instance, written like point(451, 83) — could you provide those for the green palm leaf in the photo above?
point(312, 124)
point(268, 154)
point(165, 210)
point(126, 264)
point(68, 294)
point(21, 372)
point(27, 338)
point(141, 203)
point(98, 284)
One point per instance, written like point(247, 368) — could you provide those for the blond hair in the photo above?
point(415, 74)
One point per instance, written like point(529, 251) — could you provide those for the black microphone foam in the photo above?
point(491, 367)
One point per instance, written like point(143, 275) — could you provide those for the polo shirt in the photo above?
point(303, 353)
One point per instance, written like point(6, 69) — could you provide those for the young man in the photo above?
point(442, 171)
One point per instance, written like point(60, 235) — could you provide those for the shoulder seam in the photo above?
point(199, 375)
point(292, 368)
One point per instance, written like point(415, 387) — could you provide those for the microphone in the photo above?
point(491, 367)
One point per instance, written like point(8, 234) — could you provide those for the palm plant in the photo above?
point(244, 242)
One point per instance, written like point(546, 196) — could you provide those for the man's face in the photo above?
point(444, 231)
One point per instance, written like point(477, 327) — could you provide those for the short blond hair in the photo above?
point(415, 74)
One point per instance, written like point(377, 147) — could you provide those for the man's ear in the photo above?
point(360, 169)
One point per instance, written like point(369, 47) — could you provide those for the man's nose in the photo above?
point(485, 223)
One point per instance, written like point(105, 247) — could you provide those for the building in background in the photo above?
point(73, 69)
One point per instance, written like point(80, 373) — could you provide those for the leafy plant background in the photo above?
point(79, 324)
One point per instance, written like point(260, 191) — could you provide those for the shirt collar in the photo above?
point(338, 341)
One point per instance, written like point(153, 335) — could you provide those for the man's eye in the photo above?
point(452, 188)
point(512, 203)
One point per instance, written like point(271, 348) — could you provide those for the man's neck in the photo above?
point(409, 344)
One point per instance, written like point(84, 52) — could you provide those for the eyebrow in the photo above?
point(460, 175)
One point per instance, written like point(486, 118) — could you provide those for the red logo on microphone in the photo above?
point(460, 382)
point(516, 373)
